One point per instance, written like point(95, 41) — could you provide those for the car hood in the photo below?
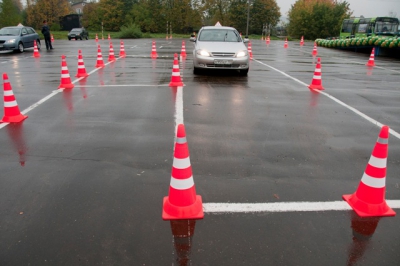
point(7, 37)
point(227, 47)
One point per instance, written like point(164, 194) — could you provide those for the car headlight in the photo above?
point(11, 41)
point(203, 53)
point(241, 53)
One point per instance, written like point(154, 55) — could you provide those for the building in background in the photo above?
point(71, 21)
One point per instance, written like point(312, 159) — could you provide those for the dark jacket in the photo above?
point(46, 31)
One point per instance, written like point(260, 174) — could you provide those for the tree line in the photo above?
point(309, 18)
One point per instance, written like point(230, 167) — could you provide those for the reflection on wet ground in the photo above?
point(182, 232)
point(363, 229)
point(16, 134)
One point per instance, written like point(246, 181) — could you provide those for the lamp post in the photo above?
point(248, 16)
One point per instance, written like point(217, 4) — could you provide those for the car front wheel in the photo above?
point(21, 47)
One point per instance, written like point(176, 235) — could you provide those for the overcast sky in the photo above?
point(367, 8)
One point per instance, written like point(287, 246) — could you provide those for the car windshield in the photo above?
point(75, 31)
point(10, 32)
point(219, 35)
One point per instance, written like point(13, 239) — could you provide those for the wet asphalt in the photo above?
point(83, 178)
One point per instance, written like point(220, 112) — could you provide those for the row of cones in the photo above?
point(154, 54)
point(97, 37)
point(110, 58)
point(316, 83)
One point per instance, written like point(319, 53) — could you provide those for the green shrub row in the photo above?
point(386, 42)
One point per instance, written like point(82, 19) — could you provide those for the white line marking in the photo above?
point(122, 85)
point(284, 207)
point(373, 121)
point(179, 107)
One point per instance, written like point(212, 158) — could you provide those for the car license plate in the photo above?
point(223, 62)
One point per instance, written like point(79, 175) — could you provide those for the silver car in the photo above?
point(18, 38)
point(218, 47)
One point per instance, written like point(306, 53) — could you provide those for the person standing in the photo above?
point(46, 34)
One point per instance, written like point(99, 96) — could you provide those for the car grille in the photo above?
point(221, 54)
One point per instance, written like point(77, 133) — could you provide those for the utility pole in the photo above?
point(248, 16)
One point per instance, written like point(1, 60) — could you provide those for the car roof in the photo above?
point(218, 27)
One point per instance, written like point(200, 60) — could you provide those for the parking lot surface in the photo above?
point(83, 177)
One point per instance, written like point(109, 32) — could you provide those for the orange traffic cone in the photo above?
point(109, 37)
point(249, 50)
point(65, 78)
point(315, 52)
point(316, 83)
point(285, 45)
point(99, 62)
point(35, 50)
point(153, 50)
point(52, 38)
point(183, 50)
point(166, 37)
point(122, 50)
point(81, 66)
point(97, 38)
point(182, 202)
point(268, 40)
point(111, 56)
point(302, 41)
point(369, 198)
point(371, 61)
point(176, 75)
point(262, 38)
point(11, 109)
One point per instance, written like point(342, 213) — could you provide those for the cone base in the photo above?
point(173, 212)
point(154, 56)
point(364, 209)
point(122, 55)
point(175, 84)
point(314, 54)
point(36, 55)
point(100, 65)
point(316, 87)
point(13, 119)
point(370, 64)
point(66, 86)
